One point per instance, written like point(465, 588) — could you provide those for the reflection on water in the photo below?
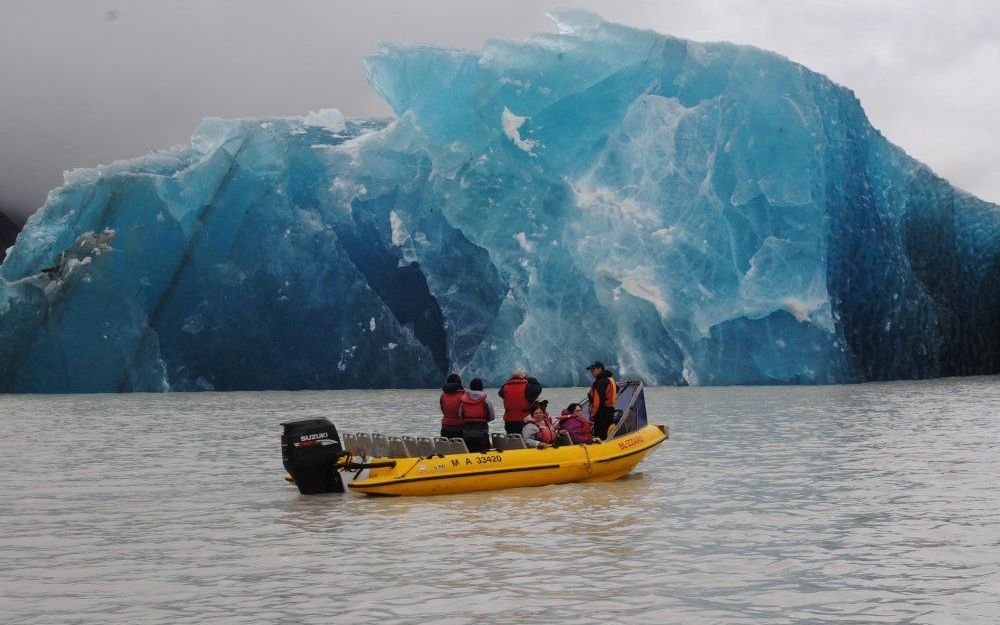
point(873, 503)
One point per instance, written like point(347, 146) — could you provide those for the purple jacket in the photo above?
point(578, 429)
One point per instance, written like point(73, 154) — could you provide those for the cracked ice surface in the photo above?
point(690, 213)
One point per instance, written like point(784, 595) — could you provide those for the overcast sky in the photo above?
point(84, 82)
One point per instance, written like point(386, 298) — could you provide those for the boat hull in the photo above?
point(495, 470)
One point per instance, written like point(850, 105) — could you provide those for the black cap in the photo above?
point(595, 365)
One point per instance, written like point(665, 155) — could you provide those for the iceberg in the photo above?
point(690, 213)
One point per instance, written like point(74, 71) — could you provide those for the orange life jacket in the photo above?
point(610, 396)
point(474, 410)
point(515, 402)
point(449, 408)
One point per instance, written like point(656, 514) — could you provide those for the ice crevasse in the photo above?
point(690, 213)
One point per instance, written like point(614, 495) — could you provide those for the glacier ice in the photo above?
point(692, 213)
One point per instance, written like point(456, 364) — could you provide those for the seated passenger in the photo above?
point(538, 432)
point(476, 412)
point(451, 400)
point(573, 423)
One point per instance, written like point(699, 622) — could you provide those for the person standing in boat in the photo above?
point(603, 395)
point(518, 393)
point(451, 400)
point(476, 412)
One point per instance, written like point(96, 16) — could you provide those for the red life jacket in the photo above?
point(474, 410)
point(515, 402)
point(546, 433)
point(449, 408)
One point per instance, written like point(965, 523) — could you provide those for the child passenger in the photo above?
point(572, 421)
point(539, 431)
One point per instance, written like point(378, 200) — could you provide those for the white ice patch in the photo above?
point(639, 284)
point(402, 239)
point(399, 234)
point(602, 199)
point(331, 119)
point(522, 240)
point(797, 307)
point(371, 324)
point(512, 128)
point(689, 373)
point(347, 355)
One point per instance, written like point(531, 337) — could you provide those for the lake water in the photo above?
point(847, 504)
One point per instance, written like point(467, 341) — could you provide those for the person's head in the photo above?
point(596, 368)
point(519, 374)
point(538, 409)
point(453, 378)
point(575, 409)
point(476, 385)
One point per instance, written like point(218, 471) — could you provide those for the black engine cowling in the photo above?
point(310, 451)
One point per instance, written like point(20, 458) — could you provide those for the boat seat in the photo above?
point(349, 442)
point(425, 446)
point(499, 441)
point(514, 441)
point(364, 442)
point(442, 445)
point(563, 439)
point(458, 446)
point(411, 446)
point(380, 446)
point(398, 448)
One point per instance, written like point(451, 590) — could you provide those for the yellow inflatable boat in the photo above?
point(318, 459)
point(513, 468)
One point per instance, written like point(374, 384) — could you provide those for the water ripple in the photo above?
point(848, 504)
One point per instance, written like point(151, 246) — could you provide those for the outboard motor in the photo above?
point(311, 452)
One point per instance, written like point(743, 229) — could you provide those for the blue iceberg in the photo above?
point(690, 213)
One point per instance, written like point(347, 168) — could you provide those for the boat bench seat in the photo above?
point(364, 444)
point(398, 448)
point(503, 442)
point(425, 446)
point(445, 446)
point(349, 442)
point(382, 446)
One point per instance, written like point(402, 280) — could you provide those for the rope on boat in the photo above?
point(415, 463)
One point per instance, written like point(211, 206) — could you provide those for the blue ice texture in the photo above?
point(689, 213)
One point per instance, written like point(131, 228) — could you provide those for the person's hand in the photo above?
point(542, 446)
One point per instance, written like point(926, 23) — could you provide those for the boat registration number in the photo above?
point(488, 459)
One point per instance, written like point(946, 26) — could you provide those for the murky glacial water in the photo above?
point(847, 504)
